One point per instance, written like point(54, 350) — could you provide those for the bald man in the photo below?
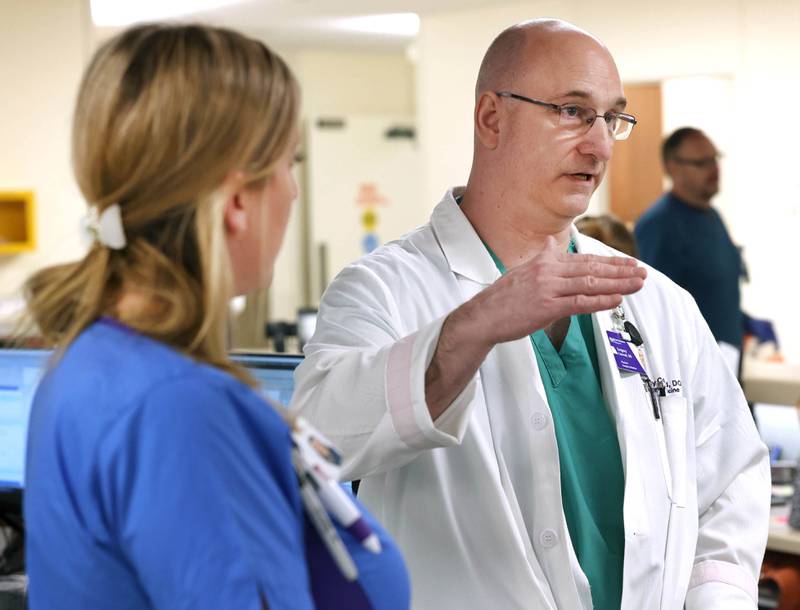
point(539, 421)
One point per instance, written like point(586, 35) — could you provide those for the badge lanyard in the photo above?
point(628, 346)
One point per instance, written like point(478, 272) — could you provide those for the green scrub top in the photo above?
point(592, 479)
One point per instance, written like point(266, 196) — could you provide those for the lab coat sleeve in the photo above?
point(733, 486)
point(362, 382)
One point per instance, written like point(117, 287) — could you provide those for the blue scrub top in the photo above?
point(153, 482)
point(693, 248)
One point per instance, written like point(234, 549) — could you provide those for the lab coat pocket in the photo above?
point(673, 418)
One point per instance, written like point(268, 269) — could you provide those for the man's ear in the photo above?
point(235, 212)
point(669, 168)
point(487, 120)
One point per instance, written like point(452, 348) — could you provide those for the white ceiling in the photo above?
point(309, 22)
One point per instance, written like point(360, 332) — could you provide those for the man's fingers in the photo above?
point(581, 303)
point(591, 285)
point(602, 268)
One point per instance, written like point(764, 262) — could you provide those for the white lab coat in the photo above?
point(474, 498)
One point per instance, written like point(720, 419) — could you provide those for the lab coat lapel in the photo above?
point(474, 270)
point(510, 371)
point(506, 369)
point(626, 402)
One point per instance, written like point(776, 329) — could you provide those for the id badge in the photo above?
point(624, 355)
point(316, 451)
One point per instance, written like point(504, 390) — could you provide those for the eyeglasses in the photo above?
point(702, 163)
point(579, 119)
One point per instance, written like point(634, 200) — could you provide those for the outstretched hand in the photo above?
point(551, 286)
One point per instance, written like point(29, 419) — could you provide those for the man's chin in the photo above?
point(574, 205)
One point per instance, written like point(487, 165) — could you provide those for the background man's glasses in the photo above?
point(701, 163)
point(579, 119)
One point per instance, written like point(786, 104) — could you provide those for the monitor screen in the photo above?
point(779, 427)
point(275, 373)
point(20, 372)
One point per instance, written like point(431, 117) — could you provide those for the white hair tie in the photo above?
point(104, 228)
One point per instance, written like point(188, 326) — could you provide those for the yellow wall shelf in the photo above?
point(17, 226)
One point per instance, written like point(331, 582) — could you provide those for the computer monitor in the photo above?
point(275, 373)
point(22, 369)
point(779, 426)
point(20, 373)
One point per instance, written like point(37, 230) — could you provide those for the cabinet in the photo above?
point(17, 225)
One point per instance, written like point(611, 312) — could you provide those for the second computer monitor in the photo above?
point(274, 373)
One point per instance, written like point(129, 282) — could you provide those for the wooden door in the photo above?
point(636, 176)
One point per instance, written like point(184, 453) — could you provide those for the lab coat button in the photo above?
point(548, 538)
point(539, 420)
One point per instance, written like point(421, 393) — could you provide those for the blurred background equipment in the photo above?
point(306, 325)
point(279, 332)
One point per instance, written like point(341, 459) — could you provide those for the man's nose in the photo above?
point(598, 141)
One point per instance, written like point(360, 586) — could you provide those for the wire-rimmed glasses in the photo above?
point(580, 119)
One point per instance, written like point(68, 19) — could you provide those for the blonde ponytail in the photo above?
point(164, 115)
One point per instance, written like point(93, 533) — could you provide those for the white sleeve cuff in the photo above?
point(405, 394)
point(720, 584)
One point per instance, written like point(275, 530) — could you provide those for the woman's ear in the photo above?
point(235, 214)
point(235, 209)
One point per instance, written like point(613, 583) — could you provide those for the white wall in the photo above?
point(340, 163)
point(744, 55)
point(354, 82)
point(43, 47)
point(336, 84)
point(767, 219)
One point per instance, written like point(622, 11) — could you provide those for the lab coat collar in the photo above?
point(587, 245)
point(462, 247)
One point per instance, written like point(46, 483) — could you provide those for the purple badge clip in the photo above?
point(623, 354)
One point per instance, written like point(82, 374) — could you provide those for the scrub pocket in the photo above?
point(673, 417)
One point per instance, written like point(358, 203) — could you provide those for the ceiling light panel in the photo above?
point(115, 13)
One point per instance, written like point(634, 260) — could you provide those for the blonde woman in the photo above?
point(156, 476)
